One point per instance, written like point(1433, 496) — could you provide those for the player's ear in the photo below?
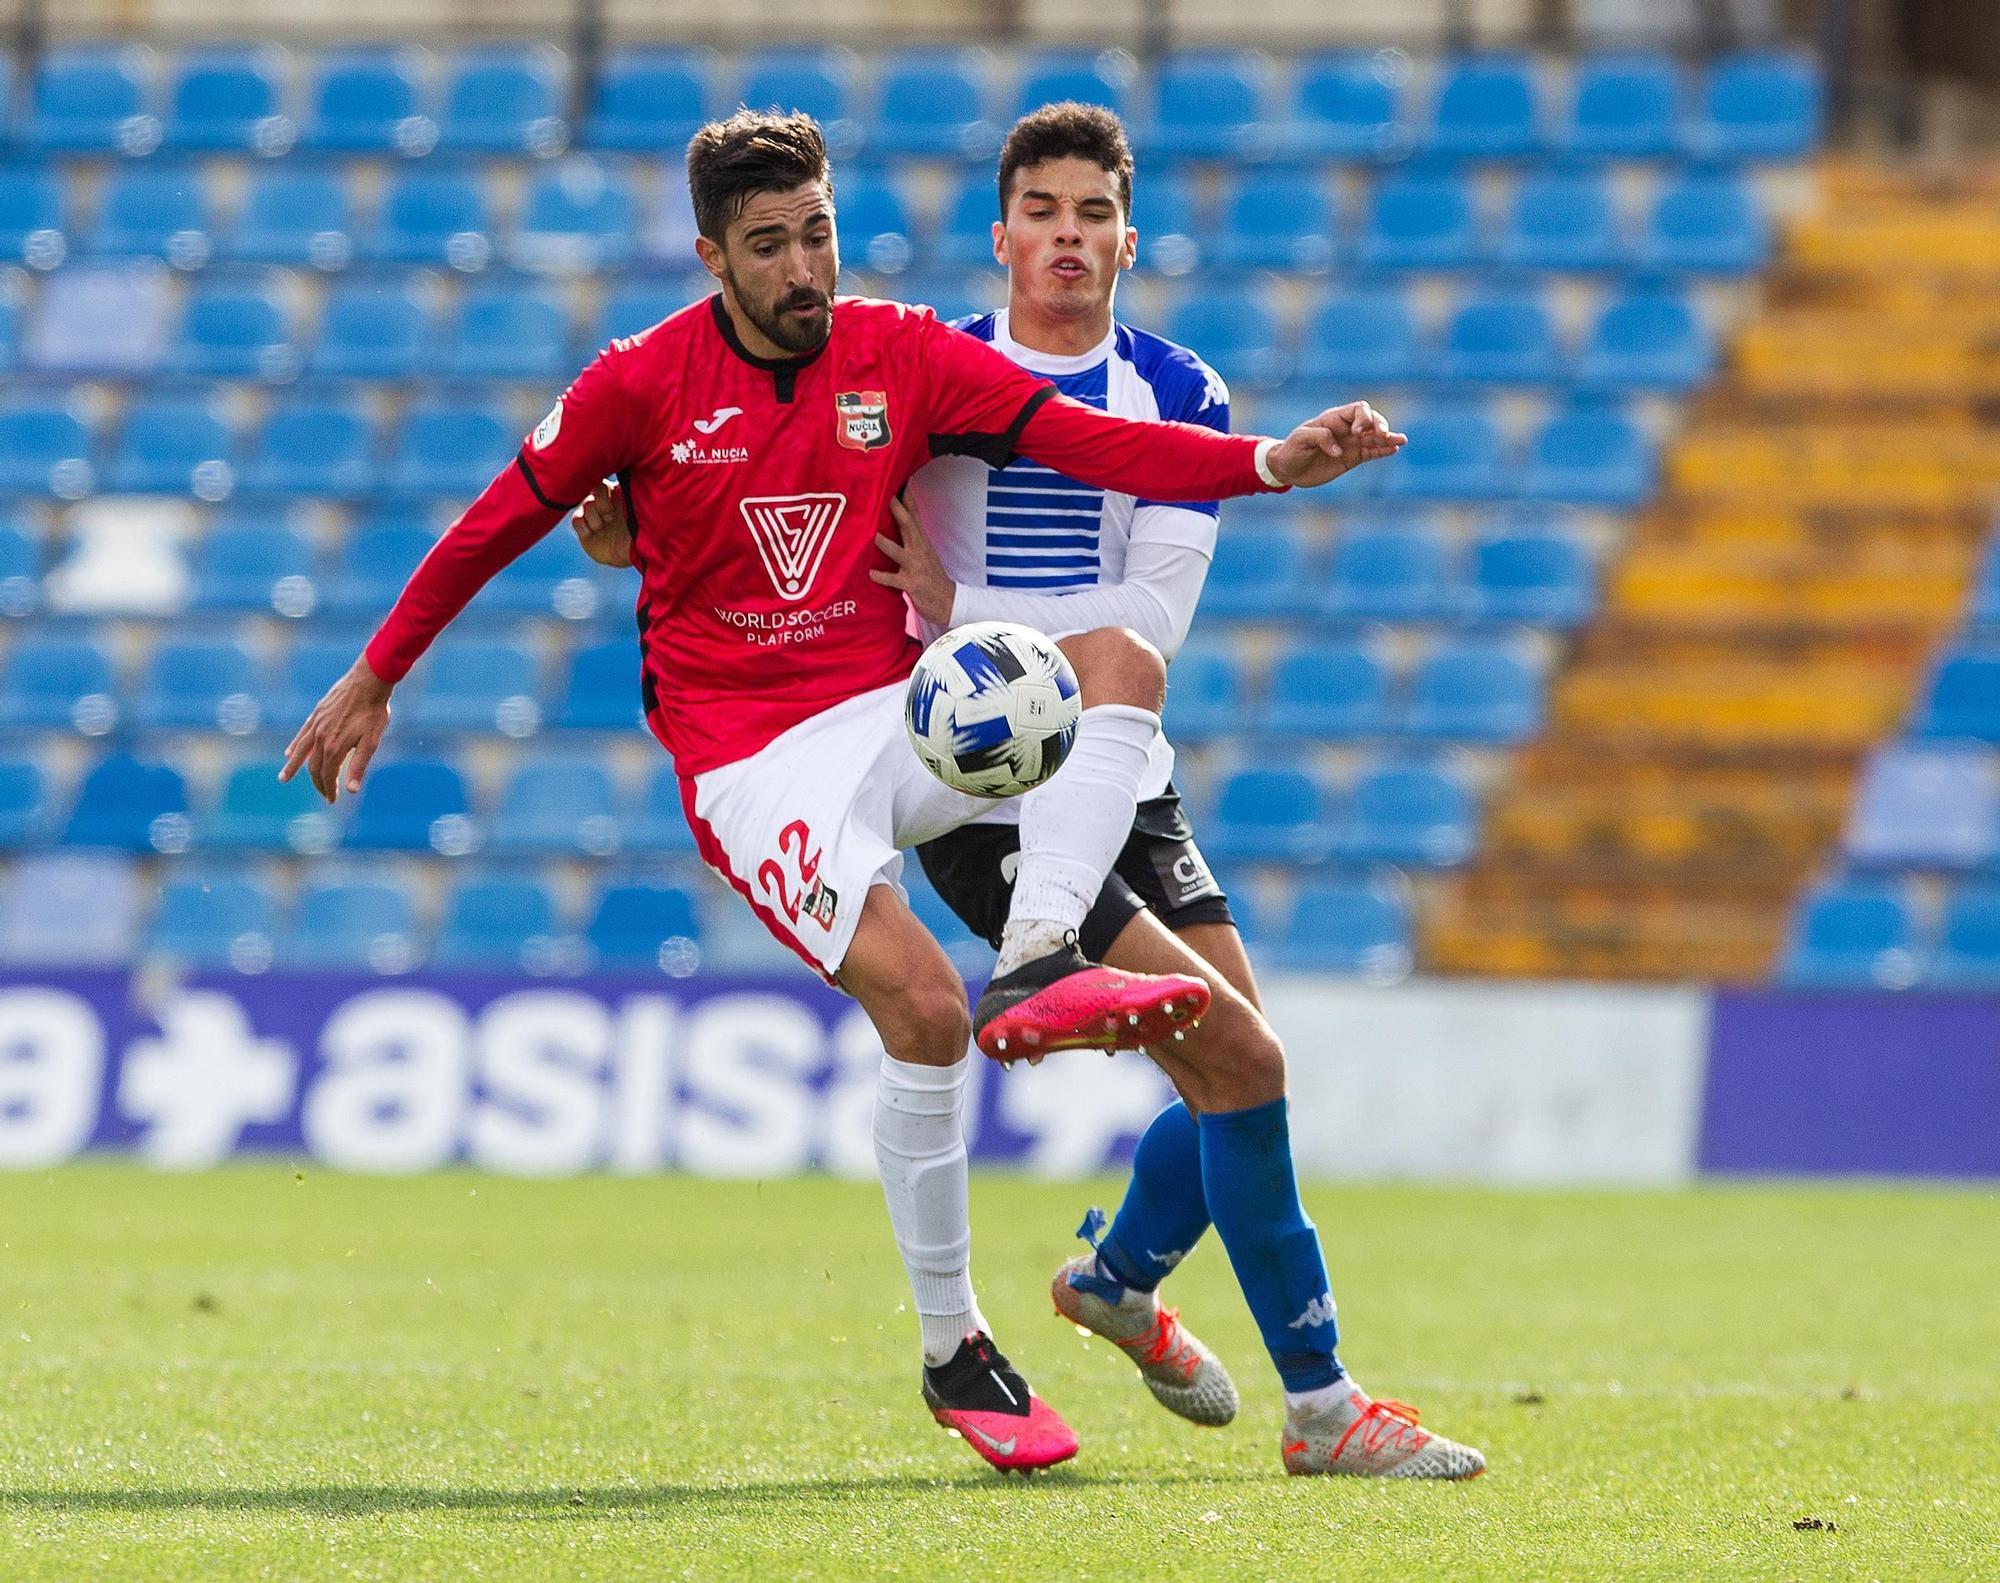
point(1128, 253)
point(711, 256)
point(1000, 243)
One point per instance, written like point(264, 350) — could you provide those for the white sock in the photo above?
point(1317, 1400)
point(920, 1150)
point(1073, 829)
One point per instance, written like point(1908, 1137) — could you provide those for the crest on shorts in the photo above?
point(792, 533)
point(821, 903)
point(861, 419)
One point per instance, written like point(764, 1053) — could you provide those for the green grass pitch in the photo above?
point(263, 1373)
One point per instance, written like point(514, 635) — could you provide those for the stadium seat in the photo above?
point(1209, 104)
point(449, 450)
point(1168, 221)
point(557, 807)
point(1647, 339)
point(1561, 220)
point(1268, 816)
point(651, 101)
point(58, 682)
point(1484, 108)
point(1086, 76)
point(372, 331)
point(601, 689)
point(1206, 693)
point(310, 667)
point(155, 211)
point(1356, 928)
point(1542, 579)
point(633, 306)
point(645, 926)
point(1389, 574)
point(1454, 454)
point(369, 101)
point(1851, 934)
point(1706, 223)
point(1412, 815)
point(93, 99)
point(1276, 219)
point(353, 925)
point(135, 805)
point(1623, 107)
point(1366, 338)
point(193, 684)
point(310, 448)
point(1757, 107)
point(214, 920)
point(10, 335)
point(172, 446)
point(413, 805)
point(505, 332)
point(964, 238)
point(1420, 220)
point(1963, 698)
point(499, 923)
point(1328, 692)
point(1929, 806)
point(255, 566)
point(104, 319)
point(1590, 456)
point(434, 217)
point(35, 219)
point(935, 102)
point(1968, 951)
point(656, 821)
point(45, 449)
point(293, 216)
point(1501, 338)
point(875, 224)
point(1348, 107)
point(1236, 334)
point(578, 215)
point(258, 812)
point(234, 331)
point(551, 576)
point(375, 563)
point(25, 814)
point(668, 233)
point(504, 99)
point(1475, 690)
point(476, 684)
point(229, 99)
point(20, 571)
point(74, 909)
point(1258, 574)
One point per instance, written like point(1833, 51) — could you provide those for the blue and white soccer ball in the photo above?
point(992, 709)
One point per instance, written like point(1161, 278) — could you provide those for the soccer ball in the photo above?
point(992, 709)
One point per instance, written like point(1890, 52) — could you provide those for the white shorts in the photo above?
point(804, 827)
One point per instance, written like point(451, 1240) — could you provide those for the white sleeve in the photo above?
point(1164, 572)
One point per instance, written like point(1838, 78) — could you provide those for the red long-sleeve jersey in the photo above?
point(756, 487)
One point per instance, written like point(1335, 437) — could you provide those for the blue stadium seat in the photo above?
point(579, 215)
point(1258, 574)
point(93, 99)
point(1268, 815)
point(1357, 928)
point(1236, 334)
point(476, 684)
point(505, 99)
point(1454, 454)
point(353, 925)
point(656, 821)
point(1392, 574)
point(374, 331)
point(1851, 934)
point(935, 102)
point(1986, 590)
point(819, 82)
point(294, 216)
point(1927, 805)
point(1328, 692)
point(1408, 814)
point(1209, 104)
point(1089, 77)
point(255, 566)
point(557, 807)
point(1561, 220)
point(310, 448)
point(633, 306)
point(172, 447)
point(874, 223)
point(1647, 339)
point(1623, 107)
point(133, 804)
point(20, 571)
point(214, 920)
point(669, 232)
point(59, 682)
point(312, 665)
point(259, 813)
point(601, 690)
point(413, 805)
point(1363, 337)
point(1168, 221)
point(450, 450)
point(368, 101)
point(1484, 108)
point(1348, 107)
point(1757, 107)
point(1968, 951)
point(1501, 338)
point(70, 909)
point(10, 335)
point(1706, 223)
point(550, 577)
point(234, 332)
point(964, 238)
point(375, 562)
point(25, 814)
point(193, 684)
point(35, 218)
point(434, 217)
point(1538, 578)
point(1420, 220)
point(650, 100)
point(645, 926)
point(229, 99)
point(155, 211)
point(1475, 690)
point(44, 449)
point(1963, 698)
point(1276, 219)
point(505, 332)
point(1206, 693)
point(1590, 456)
point(499, 923)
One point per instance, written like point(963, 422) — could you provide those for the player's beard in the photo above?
point(781, 327)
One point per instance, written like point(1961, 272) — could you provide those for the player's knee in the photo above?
point(925, 1019)
point(1236, 1056)
point(1115, 665)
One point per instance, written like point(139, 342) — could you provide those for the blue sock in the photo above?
point(1164, 1213)
point(1246, 1176)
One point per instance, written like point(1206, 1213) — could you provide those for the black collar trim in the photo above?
point(770, 365)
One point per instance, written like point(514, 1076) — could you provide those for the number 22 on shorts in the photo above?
point(812, 898)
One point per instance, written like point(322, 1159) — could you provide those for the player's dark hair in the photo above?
point(752, 151)
point(1064, 131)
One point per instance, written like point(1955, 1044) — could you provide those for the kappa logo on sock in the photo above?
point(1318, 1312)
point(1169, 1259)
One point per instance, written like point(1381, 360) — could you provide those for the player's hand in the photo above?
point(603, 528)
point(1339, 440)
point(345, 727)
point(918, 572)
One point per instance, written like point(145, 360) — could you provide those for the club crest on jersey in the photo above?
point(792, 533)
point(862, 419)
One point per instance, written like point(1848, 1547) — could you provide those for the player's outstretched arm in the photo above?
point(1339, 440)
point(345, 728)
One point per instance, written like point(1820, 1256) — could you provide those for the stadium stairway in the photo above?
point(1770, 619)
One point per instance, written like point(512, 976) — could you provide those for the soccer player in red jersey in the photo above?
point(760, 436)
